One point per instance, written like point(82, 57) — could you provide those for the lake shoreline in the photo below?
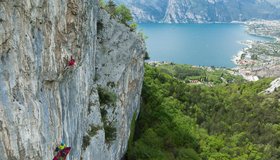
point(237, 60)
point(252, 42)
point(259, 58)
point(196, 44)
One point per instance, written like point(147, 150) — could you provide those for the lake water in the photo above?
point(196, 44)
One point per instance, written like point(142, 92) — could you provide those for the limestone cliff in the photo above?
point(43, 101)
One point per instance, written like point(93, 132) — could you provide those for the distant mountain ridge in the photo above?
point(201, 11)
point(275, 3)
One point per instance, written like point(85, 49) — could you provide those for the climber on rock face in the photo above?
point(60, 147)
point(71, 62)
point(62, 152)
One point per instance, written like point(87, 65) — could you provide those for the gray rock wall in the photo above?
point(44, 102)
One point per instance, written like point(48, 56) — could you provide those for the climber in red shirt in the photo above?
point(71, 62)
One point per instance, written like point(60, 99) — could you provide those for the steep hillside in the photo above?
point(199, 11)
point(185, 120)
point(44, 99)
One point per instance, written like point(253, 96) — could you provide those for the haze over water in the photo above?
point(196, 44)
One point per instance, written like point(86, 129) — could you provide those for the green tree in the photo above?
point(111, 7)
point(102, 4)
point(123, 14)
point(133, 26)
point(180, 121)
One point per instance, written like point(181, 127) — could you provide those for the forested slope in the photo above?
point(226, 121)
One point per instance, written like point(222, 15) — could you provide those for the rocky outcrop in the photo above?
point(43, 101)
point(274, 85)
point(201, 11)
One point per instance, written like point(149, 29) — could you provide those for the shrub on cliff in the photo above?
point(123, 14)
point(105, 96)
point(110, 132)
point(120, 13)
point(111, 7)
point(86, 142)
point(102, 4)
point(133, 26)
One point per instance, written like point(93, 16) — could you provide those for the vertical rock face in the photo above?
point(43, 101)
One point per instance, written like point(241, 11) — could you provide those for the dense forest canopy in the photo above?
point(221, 118)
